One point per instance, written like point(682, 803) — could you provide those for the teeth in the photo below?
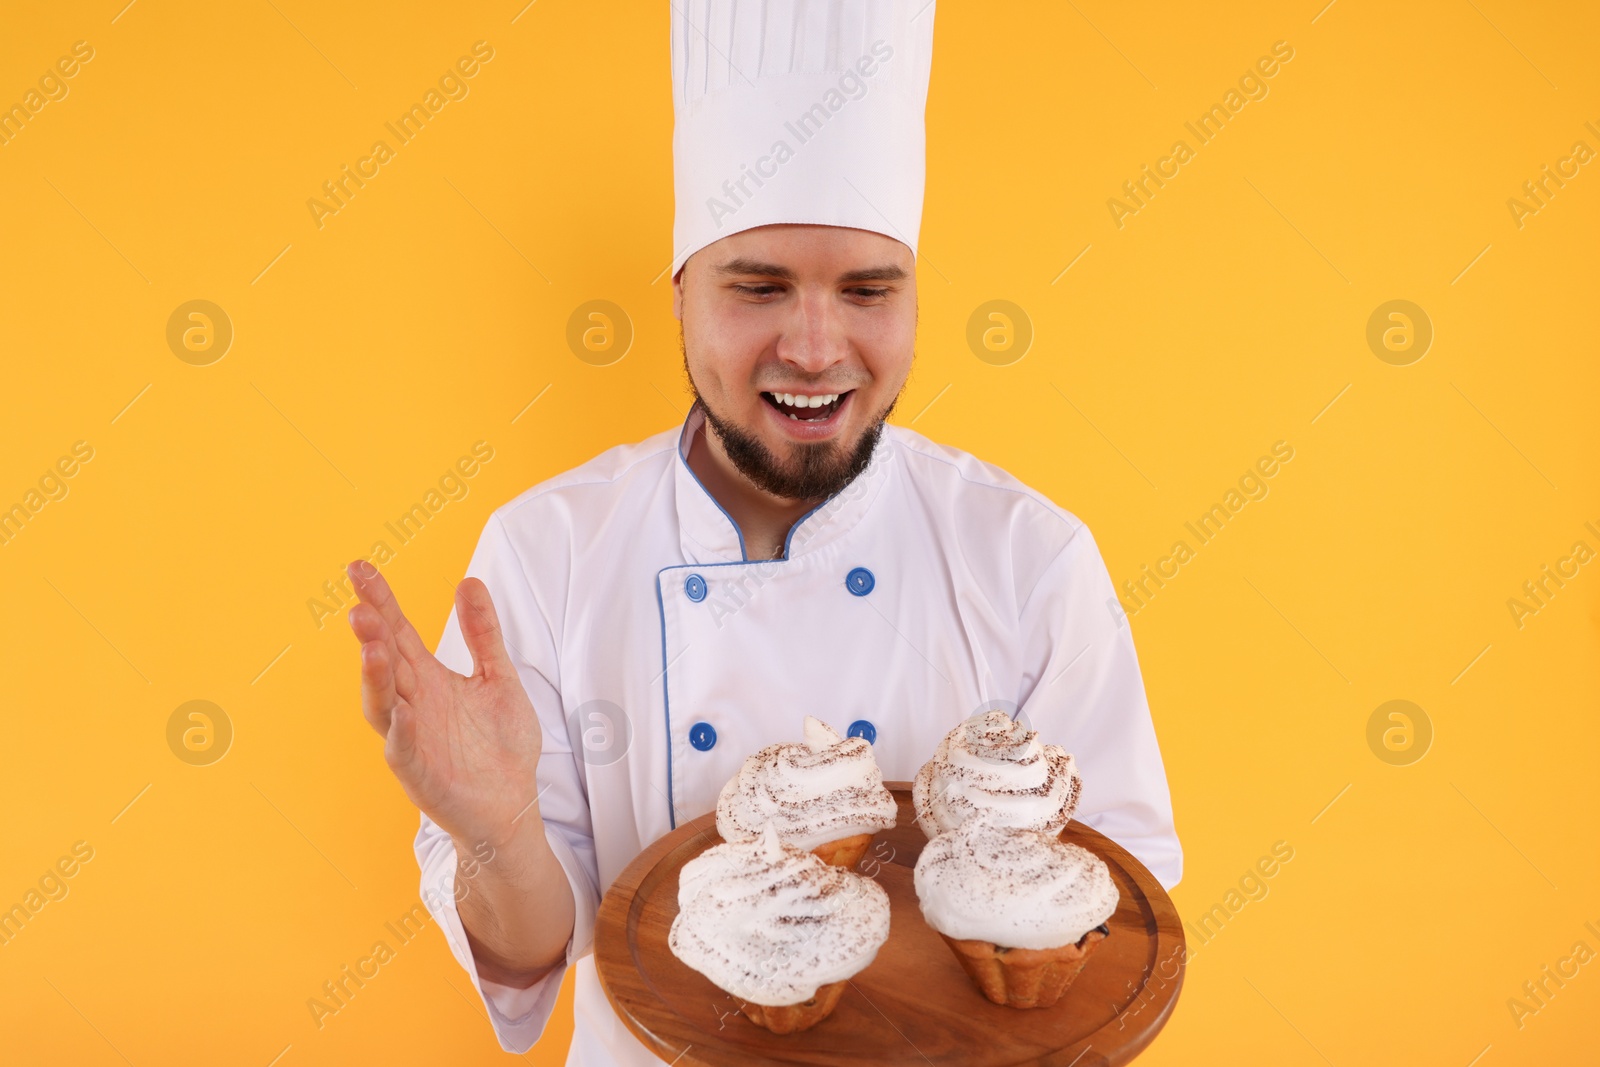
point(797, 400)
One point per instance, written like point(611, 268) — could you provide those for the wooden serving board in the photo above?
point(913, 1005)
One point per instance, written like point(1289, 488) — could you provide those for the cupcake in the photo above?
point(1021, 910)
point(994, 765)
point(777, 928)
point(824, 794)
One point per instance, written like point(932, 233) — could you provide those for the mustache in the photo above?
point(820, 385)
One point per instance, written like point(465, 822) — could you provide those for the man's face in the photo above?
point(779, 319)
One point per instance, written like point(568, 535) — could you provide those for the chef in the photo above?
point(631, 630)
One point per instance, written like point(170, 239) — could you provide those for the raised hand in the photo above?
point(465, 748)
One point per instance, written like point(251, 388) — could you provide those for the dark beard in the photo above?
point(817, 471)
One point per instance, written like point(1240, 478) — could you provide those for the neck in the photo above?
point(764, 520)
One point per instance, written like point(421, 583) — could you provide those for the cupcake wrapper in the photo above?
point(845, 851)
point(792, 1018)
point(1024, 977)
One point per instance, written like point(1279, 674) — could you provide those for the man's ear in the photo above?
point(677, 293)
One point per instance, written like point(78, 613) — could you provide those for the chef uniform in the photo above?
point(658, 654)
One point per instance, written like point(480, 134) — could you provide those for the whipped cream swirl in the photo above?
point(815, 791)
point(994, 765)
point(1017, 888)
point(769, 922)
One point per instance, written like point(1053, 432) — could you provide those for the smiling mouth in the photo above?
point(806, 407)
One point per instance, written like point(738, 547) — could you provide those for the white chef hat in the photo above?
point(804, 111)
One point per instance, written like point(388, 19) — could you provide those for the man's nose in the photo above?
point(814, 337)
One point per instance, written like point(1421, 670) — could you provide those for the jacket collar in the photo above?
point(708, 534)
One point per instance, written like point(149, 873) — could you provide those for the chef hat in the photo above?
point(803, 111)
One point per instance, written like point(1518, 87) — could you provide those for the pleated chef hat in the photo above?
point(803, 111)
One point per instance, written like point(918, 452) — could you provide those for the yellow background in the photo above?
point(1226, 315)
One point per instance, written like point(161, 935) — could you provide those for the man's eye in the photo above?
point(870, 293)
point(756, 290)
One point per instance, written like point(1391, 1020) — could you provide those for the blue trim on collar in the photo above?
point(788, 537)
point(743, 555)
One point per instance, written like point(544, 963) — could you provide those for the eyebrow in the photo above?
point(741, 266)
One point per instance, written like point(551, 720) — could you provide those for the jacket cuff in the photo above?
point(519, 1016)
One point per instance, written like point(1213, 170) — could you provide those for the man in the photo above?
point(632, 629)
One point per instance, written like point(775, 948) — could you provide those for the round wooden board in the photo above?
point(913, 1005)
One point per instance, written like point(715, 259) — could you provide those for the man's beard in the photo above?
point(815, 471)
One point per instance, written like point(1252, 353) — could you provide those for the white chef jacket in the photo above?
point(932, 587)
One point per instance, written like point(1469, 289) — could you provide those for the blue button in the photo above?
point(695, 587)
point(863, 728)
point(702, 736)
point(860, 581)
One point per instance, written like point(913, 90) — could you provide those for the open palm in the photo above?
point(465, 747)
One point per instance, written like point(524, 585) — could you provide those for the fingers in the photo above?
point(368, 626)
point(378, 698)
point(480, 626)
point(373, 589)
point(400, 743)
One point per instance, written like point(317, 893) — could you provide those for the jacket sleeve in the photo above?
point(1083, 691)
point(519, 1016)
